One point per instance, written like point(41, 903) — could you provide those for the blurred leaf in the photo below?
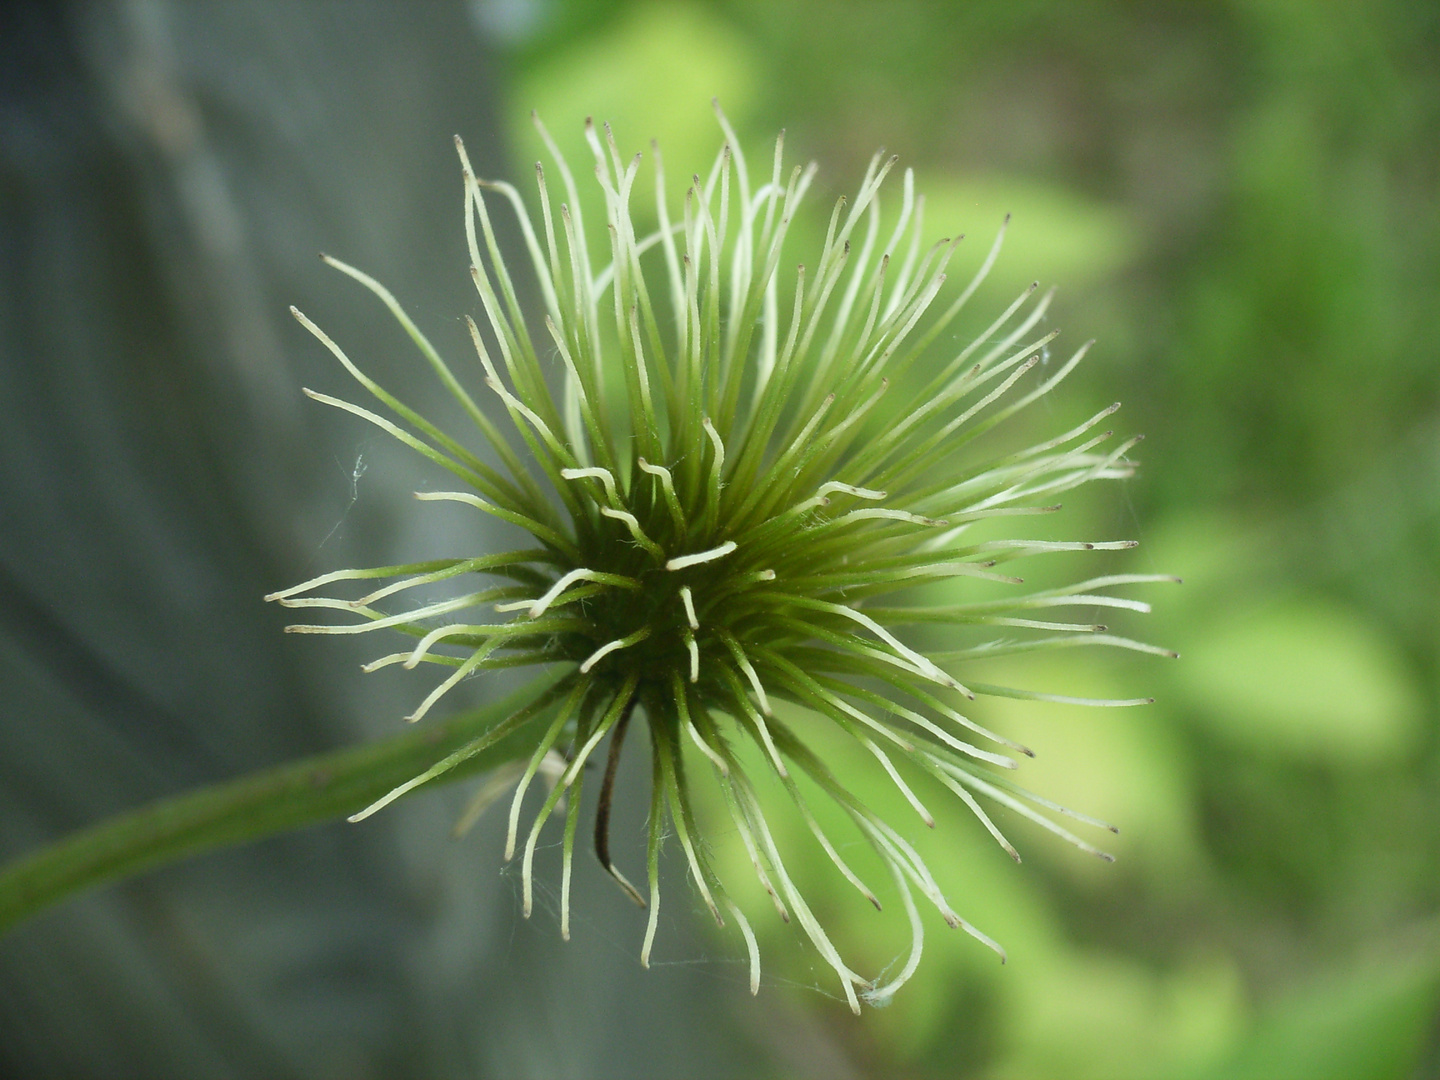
point(651, 74)
point(1054, 232)
point(1305, 677)
point(1102, 1016)
point(1369, 1026)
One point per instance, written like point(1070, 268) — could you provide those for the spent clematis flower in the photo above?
point(738, 493)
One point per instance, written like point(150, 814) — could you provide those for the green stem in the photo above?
point(274, 800)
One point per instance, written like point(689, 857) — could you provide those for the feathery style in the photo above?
point(737, 498)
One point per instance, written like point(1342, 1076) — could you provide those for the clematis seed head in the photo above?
point(737, 480)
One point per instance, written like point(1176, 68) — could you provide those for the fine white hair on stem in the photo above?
point(680, 562)
point(579, 574)
point(613, 646)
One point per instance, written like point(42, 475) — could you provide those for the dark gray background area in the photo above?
point(168, 172)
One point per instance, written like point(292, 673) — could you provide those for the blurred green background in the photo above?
point(1239, 200)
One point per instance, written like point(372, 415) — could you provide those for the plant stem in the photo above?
point(274, 800)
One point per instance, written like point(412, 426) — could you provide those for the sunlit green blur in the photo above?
point(1240, 202)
